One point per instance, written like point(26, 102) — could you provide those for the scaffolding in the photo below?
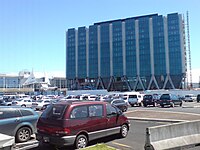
point(189, 53)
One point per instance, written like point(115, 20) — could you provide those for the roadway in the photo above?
point(137, 115)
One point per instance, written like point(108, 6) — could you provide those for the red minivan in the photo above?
point(78, 122)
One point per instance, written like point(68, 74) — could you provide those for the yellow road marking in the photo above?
point(123, 145)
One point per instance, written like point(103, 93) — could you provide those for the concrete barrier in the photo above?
point(6, 142)
point(173, 136)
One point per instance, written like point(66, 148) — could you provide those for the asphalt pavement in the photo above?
point(188, 112)
point(167, 116)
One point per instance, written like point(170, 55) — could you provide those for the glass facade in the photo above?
point(71, 54)
point(93, 52)
point(117, 49)
point(82, 72)
point(130, 48)
point(144, 47)
point(105, 50)
point(159, 46)
point(9, 82)
point(150, 46)
point(175, 61)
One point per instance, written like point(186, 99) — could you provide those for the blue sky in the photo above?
point(32, 32)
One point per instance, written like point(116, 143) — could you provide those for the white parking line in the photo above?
point(175, 112)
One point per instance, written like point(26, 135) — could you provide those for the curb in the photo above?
point(190, 106)
point(155, 119)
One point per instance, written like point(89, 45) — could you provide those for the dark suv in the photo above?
point(198, 98)
point(170, 99)
point(78, 122)
point(149, 100)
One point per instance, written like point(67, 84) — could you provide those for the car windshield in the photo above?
point(54, 111)
point(19, 100)
point(148, 97)
point(40, 101)
point(118, 101)
point(165, 97)
point(188, 95)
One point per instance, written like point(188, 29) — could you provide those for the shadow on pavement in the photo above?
point(46, 146)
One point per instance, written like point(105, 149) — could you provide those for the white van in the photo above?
point(190, 98)
point(134, 98)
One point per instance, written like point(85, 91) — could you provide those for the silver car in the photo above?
point(18, 122)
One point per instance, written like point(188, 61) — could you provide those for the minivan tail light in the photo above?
point(62, 131)
point(52, 130)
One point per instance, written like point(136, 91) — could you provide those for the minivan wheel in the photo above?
point(124, 131)
point(81, 141)
point(23, 134)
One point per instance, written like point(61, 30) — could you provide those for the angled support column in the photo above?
point(140, 82)
point(100, 83)
point(112, 80)
point(125, 79)
point(153, 79)
point(168, 79)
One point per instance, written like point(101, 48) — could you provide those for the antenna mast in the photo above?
point(189, 52)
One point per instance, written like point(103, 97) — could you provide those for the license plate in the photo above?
point(46, 139)
point(164, 103)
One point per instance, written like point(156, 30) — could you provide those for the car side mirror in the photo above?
point(113, 113)
point(119, 112)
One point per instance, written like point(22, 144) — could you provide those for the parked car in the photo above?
point(79, 122)
point(18, 122)
point(149, 100)
point(6, 102)
point(52, 102)
point(134, 98)
point(190, 98)
point(121, 104)
point(198, 98)
point(23, 102)
point(170, 100)
point(40, 103)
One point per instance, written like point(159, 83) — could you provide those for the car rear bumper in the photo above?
point(149, 102)
point(56, 140)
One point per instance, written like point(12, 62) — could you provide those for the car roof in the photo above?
point(80, 102)
point(15, 107)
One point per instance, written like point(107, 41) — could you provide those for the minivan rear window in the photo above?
point(54, 111)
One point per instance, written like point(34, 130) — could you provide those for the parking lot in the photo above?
point(141, 118)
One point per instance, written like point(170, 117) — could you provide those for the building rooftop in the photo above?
point(135, 18)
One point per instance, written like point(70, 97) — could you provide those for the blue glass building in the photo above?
point(137, 53)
